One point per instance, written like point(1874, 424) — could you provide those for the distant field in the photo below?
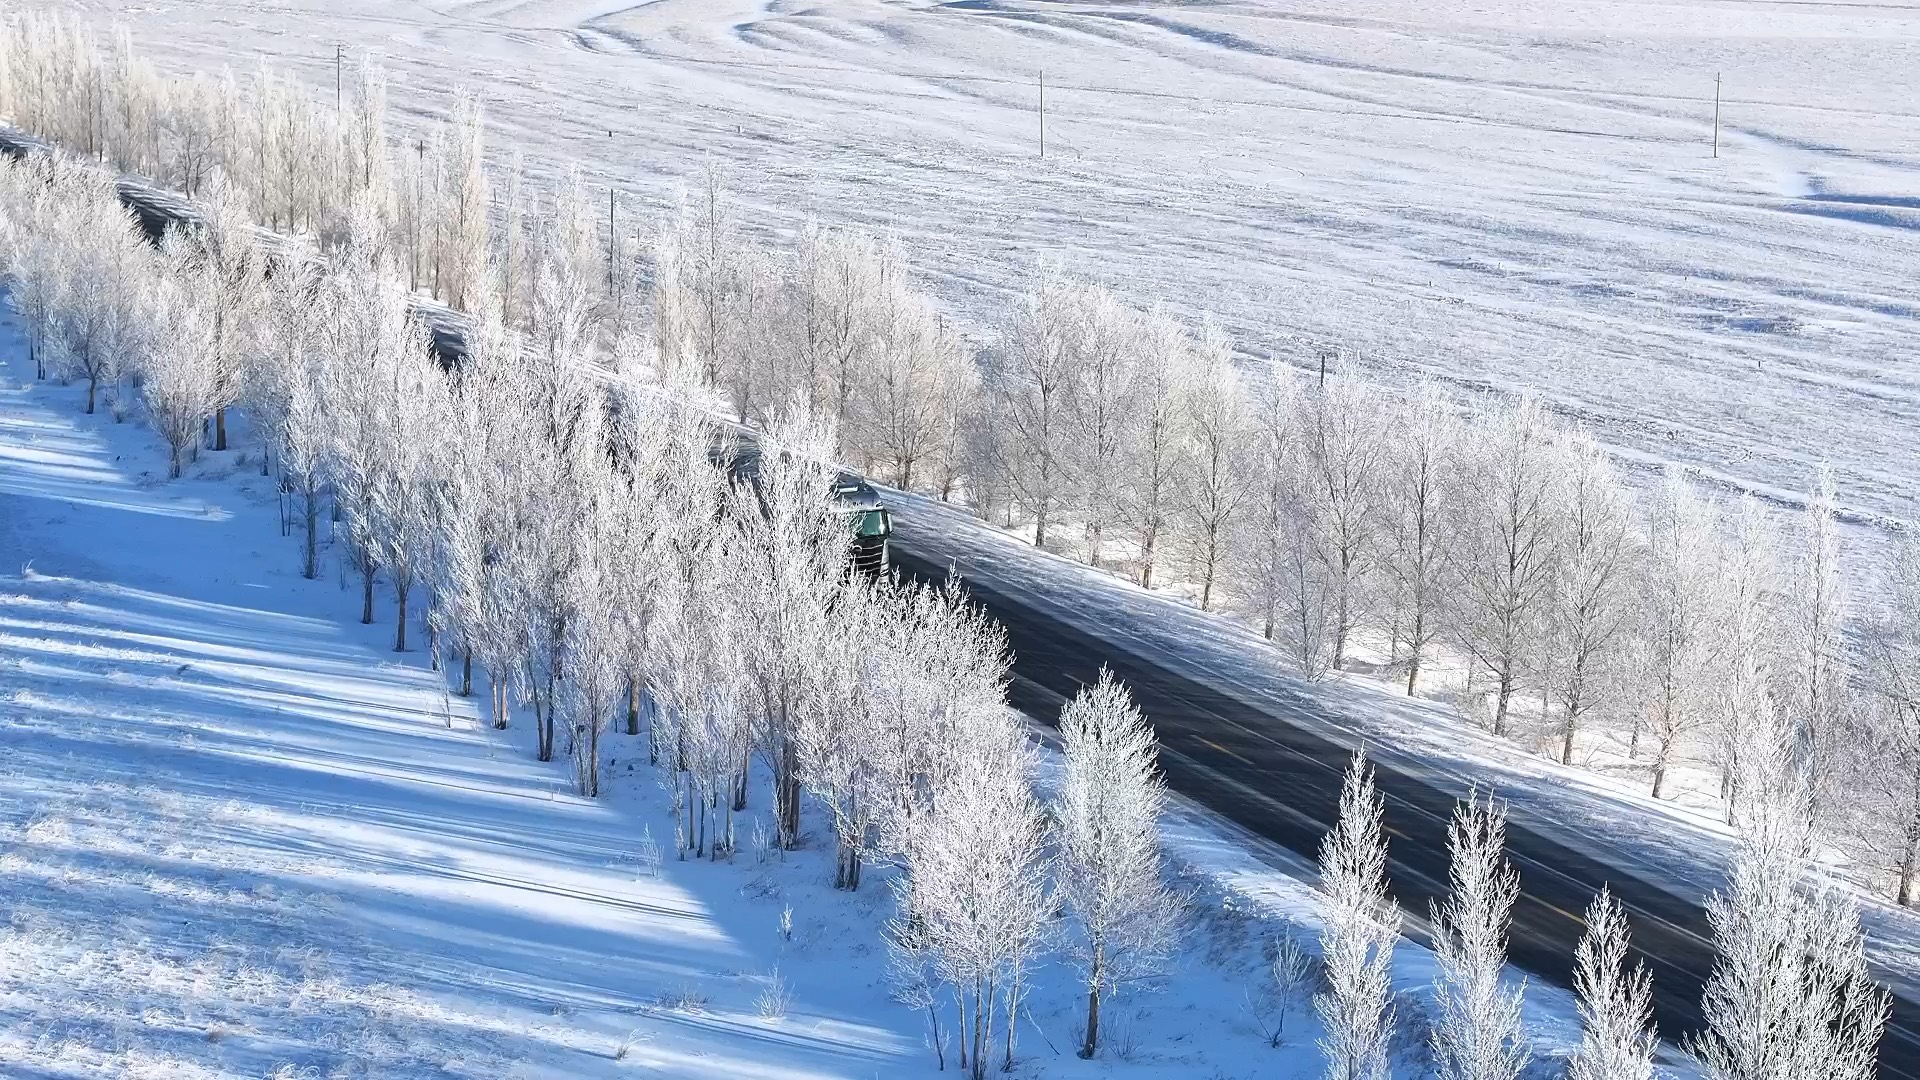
point(1509, 196)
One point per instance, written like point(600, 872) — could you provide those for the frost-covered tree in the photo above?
point(1213, 487)
point(975, 885)
point(1507, 551)
point(791, 548)
point(223, 253)
point(1819, 668)
point(278, 353)
point(1031, 379)
point(1342, 461)
point(485, 496)
point(97, 324)
point(1677, 648)
point(1107, 815)
point(1359, 927)
point(46, 200)
point(923, 380)
point(1103, 346)
point(1416, 523)
point(1882, 762)
point(1588, 613)
point(1617, 1039)
point(304, 436)
point(1263, 559)
point(363, 326)
point(1790, 995)
point(597, 660)
point(1478, 1033)
point(177, 378)
point(1153, 450)
point(1746, 701)
point(464, 232)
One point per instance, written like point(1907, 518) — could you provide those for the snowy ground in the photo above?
point(1506, 195)
point(237, 832)
point(240, 837)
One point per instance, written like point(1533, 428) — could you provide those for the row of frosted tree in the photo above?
point(570, 537)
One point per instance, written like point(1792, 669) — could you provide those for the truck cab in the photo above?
point(872, 525)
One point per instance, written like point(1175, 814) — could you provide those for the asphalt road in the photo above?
point(1246, 760)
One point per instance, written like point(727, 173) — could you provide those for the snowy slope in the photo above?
point(1509, 196)
point(236, 832)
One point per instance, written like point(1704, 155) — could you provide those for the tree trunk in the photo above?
point(466, 672)
point(543, 715)
point(497, 686)
point(939, 1044)
point(1659, 772)
point(1908, 863)
point(633, 706)
point(220, 429)
point(173, 464)
point(593, 760)
point(93, 383)
point(960, 1029)
point(1503, 698)
point(366, 595)
point(1092, 1043)
point(787, 798)
point(1413, 652)
point(400, 623)
point(310, 565)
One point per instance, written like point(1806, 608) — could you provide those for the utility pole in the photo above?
point(419, 208)
point(338, 53)
point(1043, 112)
point(1716, 114)
point(612, 251)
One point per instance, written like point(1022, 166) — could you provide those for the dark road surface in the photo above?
point(1245, 760)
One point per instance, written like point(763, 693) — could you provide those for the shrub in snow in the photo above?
point(685, 997)
point(1283, 988)
point(647, 854)
point(775, 998)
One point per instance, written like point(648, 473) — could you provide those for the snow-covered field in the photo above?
point(1509, 196)
point(240, 837)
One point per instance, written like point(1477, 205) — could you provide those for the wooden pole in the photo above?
point(610, 244)
point(1716, 114)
